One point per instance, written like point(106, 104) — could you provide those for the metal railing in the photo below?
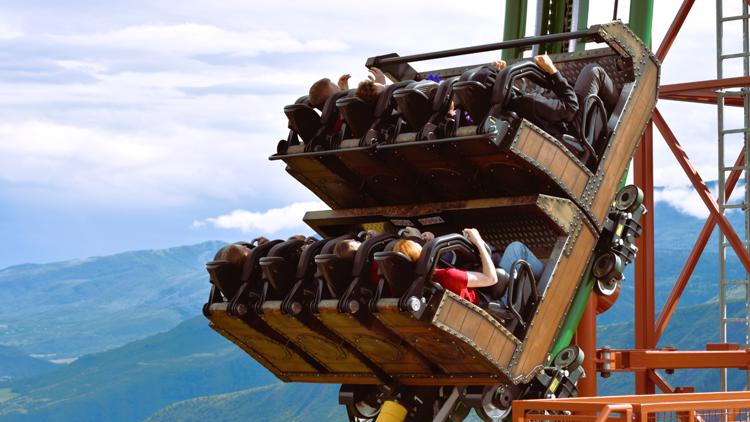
point(691, 407)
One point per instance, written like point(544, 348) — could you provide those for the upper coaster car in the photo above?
point(496, 153)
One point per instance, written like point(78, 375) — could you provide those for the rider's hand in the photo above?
point(377, 76)
point(500, 64)
point(473, 236)
point(545, 63)
point(343, 82)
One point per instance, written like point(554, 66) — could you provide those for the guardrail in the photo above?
point(689, 407)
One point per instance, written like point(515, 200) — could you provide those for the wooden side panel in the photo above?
point(626, 138)
point(446, 350)
point(276, 357)
point(554, 305)
point(554, 157)
point(381, 346)
point(477, 328)
point(329, 186)
point(329, 352)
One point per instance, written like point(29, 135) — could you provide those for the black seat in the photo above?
point(363, 270)
point(473, 90)
point(303, 118)
point(327, 136)
point(253, 291)
point(279, 267)
point(304, 285)
point(304, 123)
point(522, 297)
point(396, 269)
point(504, 89)
point(225, 275)
point(415, 102)
point(358, 114)
point(334, 270)
point(440, 124)
point(384, 127)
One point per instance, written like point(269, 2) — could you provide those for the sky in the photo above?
point(148, 124)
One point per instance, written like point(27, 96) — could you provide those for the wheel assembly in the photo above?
point(607, 269)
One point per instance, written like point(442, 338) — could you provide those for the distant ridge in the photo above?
point(71, 308)
point(131, 382)
point(15, 364)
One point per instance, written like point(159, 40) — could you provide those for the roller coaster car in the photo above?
point(317, 323)
point(378, 324)
point(498, 155)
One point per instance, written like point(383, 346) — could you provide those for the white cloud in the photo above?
point(168, 166)
point(192, 38)
point(684, 199)
point(270, 221)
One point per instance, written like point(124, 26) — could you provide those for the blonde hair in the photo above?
point(410, 248)
point(347, 248)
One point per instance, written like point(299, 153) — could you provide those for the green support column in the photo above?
point(515, 26)
point(641, 18)
point(557, 24)
point(583, 21)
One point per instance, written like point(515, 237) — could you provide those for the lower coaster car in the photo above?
point(463, 341)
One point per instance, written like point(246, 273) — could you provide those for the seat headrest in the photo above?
point(385, 104)
point(367, 250)
point(415, 102)
point(501, 91)
point(484, 74)
point(331, 244)
point(303, 119)
point(286, 248)
point(358, 114)
point(330, 111)
point(306, 266)
point(443, 94)
point(252, 264)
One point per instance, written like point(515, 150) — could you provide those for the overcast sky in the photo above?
point(143, 124)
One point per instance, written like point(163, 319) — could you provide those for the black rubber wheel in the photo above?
point(605, 270)
point(496, 403)
point(364, 411)
point(629, 198)
point(569, 358)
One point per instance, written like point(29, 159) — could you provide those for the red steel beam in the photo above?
point(703, 97)
point(700, 244)
point(645, 360)
point(674, 29)
point(704, 91)
point(660, 382)
point(702, 190)
point(712, 84)
point(643, 166)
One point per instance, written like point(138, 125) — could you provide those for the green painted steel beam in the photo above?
point(515, 26)
point(583, 21)
point(641, 19)
point(570, 325)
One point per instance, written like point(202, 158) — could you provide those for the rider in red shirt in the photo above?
point(460, 282)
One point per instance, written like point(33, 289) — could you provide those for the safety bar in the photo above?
point(523, 42)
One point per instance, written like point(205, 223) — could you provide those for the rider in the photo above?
point(463, 282)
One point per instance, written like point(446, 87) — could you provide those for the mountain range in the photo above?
point(72, 308)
